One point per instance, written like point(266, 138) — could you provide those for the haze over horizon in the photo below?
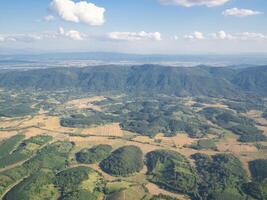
point(139, 27)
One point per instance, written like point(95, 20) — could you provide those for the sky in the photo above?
point(134, 26)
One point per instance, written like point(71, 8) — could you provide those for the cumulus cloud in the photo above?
point(72, 34)
point(135, 36)
point(195, 36)
point(190, 3)
point(49, 18)
point(82, 11)
point(222, 35)
point(238, 12)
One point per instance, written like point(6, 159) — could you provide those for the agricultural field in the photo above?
point(121, 147)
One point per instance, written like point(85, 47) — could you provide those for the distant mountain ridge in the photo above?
point(179, 81)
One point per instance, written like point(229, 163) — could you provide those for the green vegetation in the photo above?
point(238, 124)
point(150, 102)
point(204, 144)
point(245, 104)
point(18, 110)
point(116, 186)
point(82, 121)
point(162, 197)
point(258, 169)
point(257, 190)
point(221, 176)
point(52, 157)
point(94, 154)
point(148, 79)
point(16, 104)
point(260, 146)
point(168, 116)
point(25, 150)
point(131, 193)
point(9, 144)
point(124, 161)
point(36, 187)
point(258, 187)
point(79, 184)
point(171, 170)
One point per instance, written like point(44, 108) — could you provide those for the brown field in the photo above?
point(11, 122)
point(230, 144)
point(189, 102)
point(255, 114)
point(179, 140)
point(244, 151)
point(105, 130)
point(217, 105)
point(7, 134)
point(86, 103)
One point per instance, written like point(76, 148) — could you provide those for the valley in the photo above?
point(189, 131)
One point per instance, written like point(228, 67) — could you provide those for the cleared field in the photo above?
point(179, 140)
point(6, 123)
point(217, 105)
point(257, 115)
point(230, 144)
point(113, 129)
point(7, 134)
point(86, 103)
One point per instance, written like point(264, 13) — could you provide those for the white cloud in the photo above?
point(222, 35)
point(49, 18)
point(135, 36)
point(238, 12)
point(2, 39)
point(20, 38)
point(195, 36)
point(61, 31)
point(251, 36)
point(82, 11)
point(176, 37)
point(72, 34)
point(190, 3)
point(27, 38)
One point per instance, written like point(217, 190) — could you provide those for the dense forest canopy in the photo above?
point(124, 161)
point(180, 81)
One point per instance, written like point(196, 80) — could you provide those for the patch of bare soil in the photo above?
point(7, 134)
point(113, 129)
point(86, 103)
point(217, 105)
point(230, 144)
point(176, 141)
point(6, 123)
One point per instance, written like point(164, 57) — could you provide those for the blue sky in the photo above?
point(135, 26)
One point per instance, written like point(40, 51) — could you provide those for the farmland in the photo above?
point(94, 139)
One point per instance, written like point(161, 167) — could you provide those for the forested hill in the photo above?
point(180, 81)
